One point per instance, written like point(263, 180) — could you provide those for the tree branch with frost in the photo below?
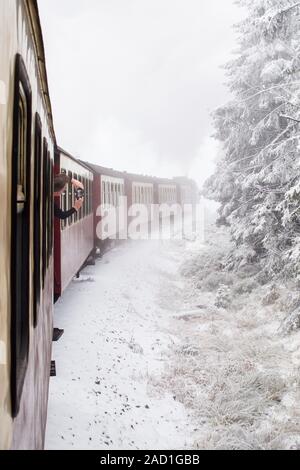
point(289, 8)
point(265, 90)
point(289, 117)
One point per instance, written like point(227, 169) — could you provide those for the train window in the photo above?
point(63, 203)
point(109, 193)
point(21, 244)
point(113, 200)
point(90, 195)
point(81, 211)
point(44, 209)
point(103, 193)
point(86, 197)
point(37, 217)
point(76, 213)
point(49, 207)
point(117, 194)
point(70, 196)
point(87, 182)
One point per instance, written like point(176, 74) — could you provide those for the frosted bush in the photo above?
point(223, 298)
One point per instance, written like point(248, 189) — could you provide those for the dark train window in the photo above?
point(87, 182)
point(103, 193)
point(44, 208)
point(37, 217)
point(20, 233)
point(76, 213)
point(90, 195)
point(106, 185)
point(118, 194)
point(51, 214)
point(49, 207)
point(84, 181)
point(63, 204)
point(70, 197)
point(81, 209)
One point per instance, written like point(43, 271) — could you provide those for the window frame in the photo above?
point(20, 228)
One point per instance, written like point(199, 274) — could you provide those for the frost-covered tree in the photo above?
point(257, 178)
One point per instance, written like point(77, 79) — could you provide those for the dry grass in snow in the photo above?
point(231, 367)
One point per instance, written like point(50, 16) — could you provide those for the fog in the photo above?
point(133, 82)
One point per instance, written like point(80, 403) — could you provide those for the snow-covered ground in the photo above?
point(116, 319)
point(163, 349)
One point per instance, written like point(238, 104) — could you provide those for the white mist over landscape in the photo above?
point(133, 82)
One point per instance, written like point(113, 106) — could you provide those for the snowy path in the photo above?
point(117, 321)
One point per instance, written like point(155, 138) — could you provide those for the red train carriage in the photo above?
point(74, 237)
point(26, 250)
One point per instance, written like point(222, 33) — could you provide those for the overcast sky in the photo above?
point(133, 82)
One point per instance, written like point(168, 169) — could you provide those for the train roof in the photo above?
point(184, 180)
point(36, 30)
point(101, 170)
point(77, 160)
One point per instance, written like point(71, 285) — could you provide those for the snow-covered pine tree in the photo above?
point(257, 178)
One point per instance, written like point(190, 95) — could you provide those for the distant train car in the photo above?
point(167, 192)
point(27, 142)
point(73, 237)
point(142, 195)
point(188, 192)
point(108, 188)
point(141, 189)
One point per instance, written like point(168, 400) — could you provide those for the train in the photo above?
point(40, 254)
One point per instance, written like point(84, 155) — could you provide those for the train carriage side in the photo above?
point(110, 187)
point(142, 195)
point(26, 290)
point(74, 237)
